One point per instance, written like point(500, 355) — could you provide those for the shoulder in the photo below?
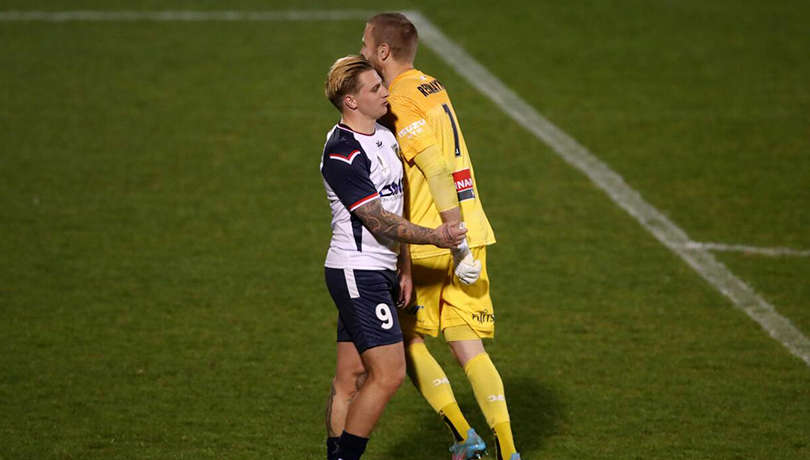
point(342, 146)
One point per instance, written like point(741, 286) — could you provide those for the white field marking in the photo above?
point(669, 234)
point(191, 16)
point(773, 252)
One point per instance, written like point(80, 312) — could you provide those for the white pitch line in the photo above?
point(190, 16)
point(773, 252)
point(669, 234)
point(614, 185)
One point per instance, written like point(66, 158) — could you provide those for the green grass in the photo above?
point(163, 227)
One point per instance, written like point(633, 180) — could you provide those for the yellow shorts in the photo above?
point(441, 301)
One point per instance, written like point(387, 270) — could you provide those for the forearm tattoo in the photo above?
point(383, 223)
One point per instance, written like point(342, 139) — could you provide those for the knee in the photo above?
point(391, 379)
point(396, 377)
point(412, 339)
point(348, 382)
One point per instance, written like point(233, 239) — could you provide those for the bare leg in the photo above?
point(385, 367)
point(465, 350)
point(347, 382)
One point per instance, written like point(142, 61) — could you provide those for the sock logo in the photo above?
point(493, 398)
point(438, 382)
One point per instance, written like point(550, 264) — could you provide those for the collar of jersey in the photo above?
point(405, 74)
point(346, 127)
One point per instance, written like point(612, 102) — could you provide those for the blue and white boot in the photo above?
point(472, 448)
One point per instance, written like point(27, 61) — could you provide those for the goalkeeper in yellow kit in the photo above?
point(451, 287)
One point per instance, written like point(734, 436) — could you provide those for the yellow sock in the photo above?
point(452, 416)
point(431, 381)
point(504, 443)
point(488, 388)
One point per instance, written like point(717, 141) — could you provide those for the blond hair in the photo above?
point(398, 32)
point(344, 78)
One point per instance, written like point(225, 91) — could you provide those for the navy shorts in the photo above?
point(365, 302)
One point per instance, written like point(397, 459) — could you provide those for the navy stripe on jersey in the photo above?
point(347, 169)
point(466, 195)
point(357, 230)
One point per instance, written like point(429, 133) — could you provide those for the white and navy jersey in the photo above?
point(358, 168)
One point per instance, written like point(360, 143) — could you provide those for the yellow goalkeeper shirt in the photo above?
point(421, 115)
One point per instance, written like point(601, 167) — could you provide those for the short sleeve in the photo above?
point(347, 171)
point(408, 121)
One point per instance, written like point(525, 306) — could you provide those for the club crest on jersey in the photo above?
point(464, 184)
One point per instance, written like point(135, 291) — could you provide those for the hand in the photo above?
point(405, 290)
point(465, 267)
point(449, 235)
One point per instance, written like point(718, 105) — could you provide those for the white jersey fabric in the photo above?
point(358, 168)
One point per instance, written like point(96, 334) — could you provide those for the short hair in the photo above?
point(344, 78)
point(398, 32)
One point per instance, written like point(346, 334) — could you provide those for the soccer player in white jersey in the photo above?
point(362, 175)
point(441, 188)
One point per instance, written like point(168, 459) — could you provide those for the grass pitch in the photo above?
point(163, 228)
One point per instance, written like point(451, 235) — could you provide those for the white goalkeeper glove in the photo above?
point(465, 267)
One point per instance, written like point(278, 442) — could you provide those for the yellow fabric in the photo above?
point(458, 425)
point(460, 333)
point(438, 177)
point(442, 301)
point(421, 115)
point(428, 377)
point(504, 442)
point(488, 389)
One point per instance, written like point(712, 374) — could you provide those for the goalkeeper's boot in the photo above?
point(472, 448)
point(515, 456)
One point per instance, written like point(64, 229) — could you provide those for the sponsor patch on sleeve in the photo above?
point(464, 184)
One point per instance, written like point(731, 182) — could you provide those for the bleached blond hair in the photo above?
point(344, 78)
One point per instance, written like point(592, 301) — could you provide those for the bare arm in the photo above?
point(404, 274)
point(383, 223)
point(404, 259)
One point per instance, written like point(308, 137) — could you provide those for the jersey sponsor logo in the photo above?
point(484, 316)
point(345, 158)
point(464, 184)
point(413, 129)
point(430, 88)
point(394, 188)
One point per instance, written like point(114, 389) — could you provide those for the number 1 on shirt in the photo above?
point(453, 124)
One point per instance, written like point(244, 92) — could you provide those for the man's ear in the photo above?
point(383, 51)
point(350, 102)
